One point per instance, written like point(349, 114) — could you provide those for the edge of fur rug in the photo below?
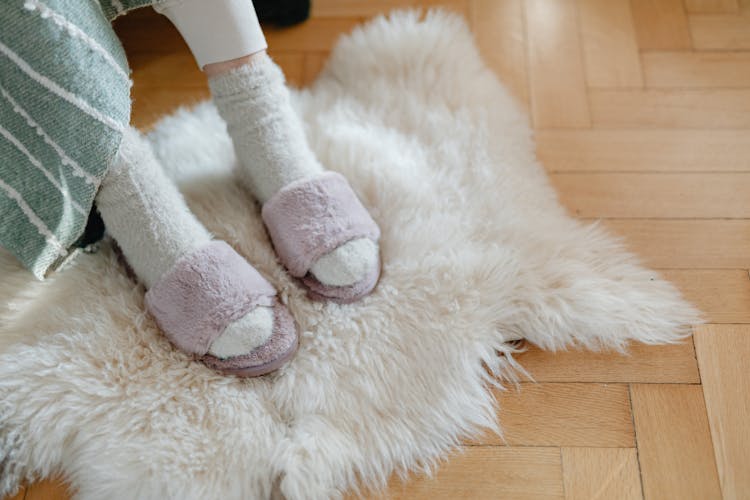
point(388, 385)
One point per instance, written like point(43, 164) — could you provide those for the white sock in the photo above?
point(273, 151)
point(147, 216)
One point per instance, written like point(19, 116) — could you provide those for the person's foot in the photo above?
point(213, 304)
point(313, 220)
point(273, 153)
point(159, 236)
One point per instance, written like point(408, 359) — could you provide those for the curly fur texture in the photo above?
point(475, 248)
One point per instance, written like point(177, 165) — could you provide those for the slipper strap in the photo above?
point(309, 218)
point(203, 293)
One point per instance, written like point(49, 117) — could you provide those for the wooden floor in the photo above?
point(642, 112)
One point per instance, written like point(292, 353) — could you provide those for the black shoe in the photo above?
point(282, 12)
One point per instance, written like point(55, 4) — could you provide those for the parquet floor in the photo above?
point(642, 113)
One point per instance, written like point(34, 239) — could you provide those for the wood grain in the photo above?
point(500, 33)
point(609, 44)
point(657, 195)
point(653, 150)
point(566, 415)
point(674, 442)
point(18, 496)
point(49, 489)
point(170, 70)
point(696, 69)
point(688, 243)
point(293, 65)
point(723, 352)
point(349, 8)
point(601, 473)
point(723, 295)
point(673, 364)
point(151, 104)
point(720, 32)
point(486, 472)
point(143, 31)
point(661, 24)
point(711, 6)
point(670, 108)
point(555, 49)
point(317, 34)
point(312, 66)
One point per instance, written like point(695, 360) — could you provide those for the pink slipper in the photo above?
point(207, 290)
point(307, 219)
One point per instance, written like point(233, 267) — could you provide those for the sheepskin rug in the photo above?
point(476, 251)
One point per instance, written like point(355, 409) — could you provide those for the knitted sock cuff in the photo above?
point(254, 78)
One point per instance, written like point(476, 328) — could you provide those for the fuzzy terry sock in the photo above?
point(273, 151)
point(147, 216)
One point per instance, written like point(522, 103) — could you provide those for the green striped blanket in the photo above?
point(64, 103)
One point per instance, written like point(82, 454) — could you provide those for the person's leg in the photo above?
point(249, 91)
point(270, 142)
point(143, 211)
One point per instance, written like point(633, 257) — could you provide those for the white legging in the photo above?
point(216, 30)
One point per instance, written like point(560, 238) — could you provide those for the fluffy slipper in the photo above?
point(309, 218)
point(205, 292)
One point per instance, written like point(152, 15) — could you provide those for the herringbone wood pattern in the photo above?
point(642, 113)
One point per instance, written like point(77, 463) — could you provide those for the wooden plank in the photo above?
point(484, 472)
point(18, 496)
point(723, 352)
point(720, 32)
point(312, 66)
point(601, 473)
point(144, 31)
point(609, 44)
point(661, 24)
point(672, 108)
point(151, 104)
point(556, 75)
point(48, 489)
point(723, 295)
point(644, 150)
point(565, 415)
point(658, 195)
point(684, 244)
point(317, 34)
point(674, 442)
point(500, 32)
point(696, 69)
point(172, 70)
point(349, 8)
point(648, 364)
point(292, 63)
point(711, 6)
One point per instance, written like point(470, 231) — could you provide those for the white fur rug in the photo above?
point(476, 250)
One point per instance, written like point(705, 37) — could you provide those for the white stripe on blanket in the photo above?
point(58, 19)
point(33, 218)
point(64, 191)
point(61, 92)
point(65, 159)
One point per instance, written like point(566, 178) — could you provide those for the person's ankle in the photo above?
point(219, 68)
